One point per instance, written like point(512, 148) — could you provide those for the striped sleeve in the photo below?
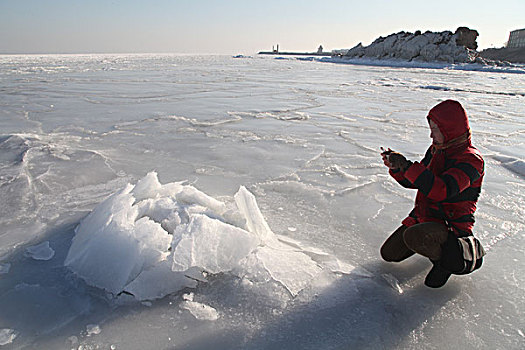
point(399, 176)
point(449, 184)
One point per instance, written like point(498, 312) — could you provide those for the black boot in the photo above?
point(437, 276)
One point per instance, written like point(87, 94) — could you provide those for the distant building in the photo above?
point(320, 49)
point(517, 38)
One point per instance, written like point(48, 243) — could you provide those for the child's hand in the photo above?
point(394, 160)
point(398, 161)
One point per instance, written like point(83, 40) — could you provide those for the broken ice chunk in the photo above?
point(188, 296)
point(199, 311)
point(150, 240)
point(40, 251)
point(111, 247)
point(147, 187)
point(212, 245)
point(157, 210)
point(7, 336)
point(92, 329)
point(73, 339)
point(393, 282)
point(158, 282)
point(192, 195)
point(109, 258)
point(255, 221)
point(294, 270)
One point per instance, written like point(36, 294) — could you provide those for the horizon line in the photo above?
point(112, 53)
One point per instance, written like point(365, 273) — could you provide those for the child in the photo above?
point(448, 182)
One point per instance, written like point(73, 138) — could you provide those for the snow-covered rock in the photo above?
point(444, 46)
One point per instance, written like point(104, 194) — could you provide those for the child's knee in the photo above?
point(412, 236)
point(391, 256)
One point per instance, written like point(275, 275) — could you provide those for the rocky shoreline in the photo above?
point(444, 47)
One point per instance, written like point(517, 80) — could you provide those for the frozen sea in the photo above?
point(303, 137)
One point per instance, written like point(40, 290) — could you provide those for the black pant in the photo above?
point(425, 239)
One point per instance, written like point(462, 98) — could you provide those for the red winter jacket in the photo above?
point(449, 177)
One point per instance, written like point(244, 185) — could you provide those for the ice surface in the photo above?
point(41, 251)
point(515, 165)
point(4, 268)
point(392, 280)
point(303, 137)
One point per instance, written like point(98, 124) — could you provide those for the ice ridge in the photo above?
point(150, 240)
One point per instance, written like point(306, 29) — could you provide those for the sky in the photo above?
point(239, 26)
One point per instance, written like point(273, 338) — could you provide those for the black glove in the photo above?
point(398, 161)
